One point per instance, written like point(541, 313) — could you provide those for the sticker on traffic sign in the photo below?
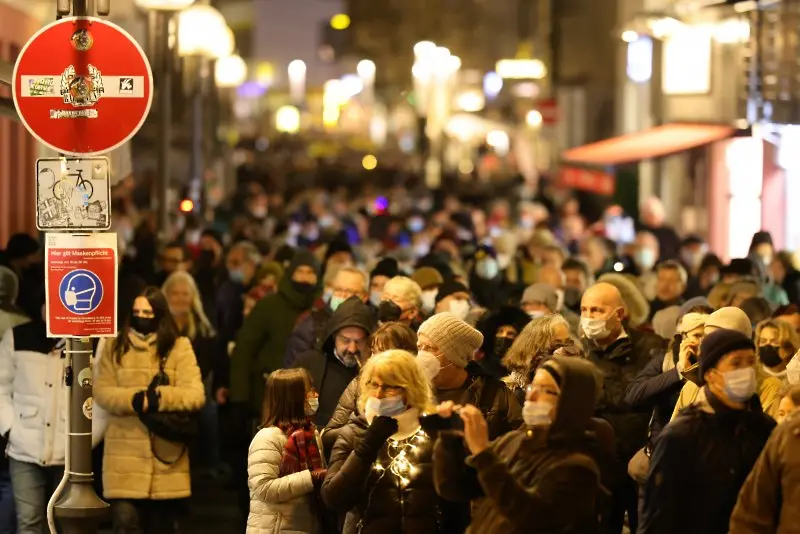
point(81, 284)
point(82, 86)
point(73, 193)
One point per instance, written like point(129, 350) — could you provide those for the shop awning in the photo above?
point(648, 144)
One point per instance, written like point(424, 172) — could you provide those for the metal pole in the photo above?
point(198, 100)
point(80, 510)
point(165, 124)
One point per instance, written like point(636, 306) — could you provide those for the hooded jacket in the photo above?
point(328, 374)
point(261, 342)
point(532, 480)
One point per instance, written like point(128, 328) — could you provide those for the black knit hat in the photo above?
point(451, 287)
point(336, 246)
point(387, 267)
point(21, 245)
point(303, 257)
point(717, 345)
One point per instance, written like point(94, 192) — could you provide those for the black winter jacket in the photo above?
point(375, 500)
point(699, 464)
point(620, 363)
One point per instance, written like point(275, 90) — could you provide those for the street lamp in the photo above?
point(203, 36)
point(297, 81)
point(163, 5)
point(230, 71)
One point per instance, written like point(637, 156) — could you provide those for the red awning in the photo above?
point(647, 144)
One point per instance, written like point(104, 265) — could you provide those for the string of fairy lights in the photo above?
point(401, 458)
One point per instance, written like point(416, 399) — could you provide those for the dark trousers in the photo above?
point(624, 498)
point(146, 517)
point(33, 485)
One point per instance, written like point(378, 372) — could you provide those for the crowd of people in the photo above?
point(397, 362)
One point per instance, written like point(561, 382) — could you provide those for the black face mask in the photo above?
point(389, 312)
point(304, 288)
point(205, 259)
point(144, 325)
point(501, 346)
point(769, 356)
point(572, 297)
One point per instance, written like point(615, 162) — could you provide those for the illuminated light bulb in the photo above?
point(404, 481)
point(377, 466)
point(414, 470)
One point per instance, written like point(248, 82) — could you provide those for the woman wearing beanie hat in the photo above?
point(446, 344)
point(704, 456)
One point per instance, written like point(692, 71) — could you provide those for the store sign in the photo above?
point(687, 62)
point(592, 180)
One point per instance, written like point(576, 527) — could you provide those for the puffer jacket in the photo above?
point(768, 501)
point(33, 405)
point(347, 406)
point(329, 375)
point(620, 364)
point(532, 480)
point(277, 504)
point(130, 469)
point(373, 497)
point(702, 457)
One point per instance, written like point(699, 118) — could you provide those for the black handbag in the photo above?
point(176, 427)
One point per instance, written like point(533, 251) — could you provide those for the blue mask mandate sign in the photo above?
point(81, 291)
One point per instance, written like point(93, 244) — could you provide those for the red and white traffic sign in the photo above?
point(82, 86)
point(81, 284)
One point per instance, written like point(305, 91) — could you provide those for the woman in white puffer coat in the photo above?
point(285, 464)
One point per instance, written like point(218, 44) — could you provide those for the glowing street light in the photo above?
point(534, 118)
point(203, 32)
point(164, 5)
point(230, 71)
point(423, 48)
point(297, 80)
point(340, 21)
point(287, 119)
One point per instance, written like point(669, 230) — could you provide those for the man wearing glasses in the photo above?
point(337, 361)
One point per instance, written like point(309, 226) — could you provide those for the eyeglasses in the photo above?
point(385, 388)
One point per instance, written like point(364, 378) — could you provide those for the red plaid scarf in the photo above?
point(300, 452)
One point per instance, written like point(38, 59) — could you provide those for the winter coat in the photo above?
point(261, 343)
point(375, 497)
point(698, 466)
point(620, 364)
point(656, 387)
point(308, 334)
point(329, 375)
point(277, 504)
point(768, 501)
point(532, 480)
point(130, 469)
point(347, 406)
point(33, 405)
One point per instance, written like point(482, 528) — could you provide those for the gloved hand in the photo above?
point(432, 424)
point(376, 435)
point(153, 399)
point(138, 401)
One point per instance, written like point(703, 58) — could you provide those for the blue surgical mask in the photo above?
point(645, 258)
point(386, 407)
point(237, 276)
point(487, 268)
point(335, 302)
point(375, 298)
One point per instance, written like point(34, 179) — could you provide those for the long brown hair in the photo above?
point(393, 335)
point(285, 398)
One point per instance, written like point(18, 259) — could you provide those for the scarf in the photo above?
point(301, 452)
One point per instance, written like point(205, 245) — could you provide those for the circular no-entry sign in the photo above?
point(82, 86)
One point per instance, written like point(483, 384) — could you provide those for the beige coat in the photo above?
point(130, 470)
point(277, 504)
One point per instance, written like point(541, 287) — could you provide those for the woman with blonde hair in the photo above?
point(381, 471)
point(776, 342)
point(186, 308)
point(537, 341)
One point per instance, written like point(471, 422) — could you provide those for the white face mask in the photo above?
point(595, 328)
point(460, 308)
point(560, 301)
point(537, 413)
point(429, 300)
point(740, 384)
point(430, 364)
point(536, 314)
point(312, 405)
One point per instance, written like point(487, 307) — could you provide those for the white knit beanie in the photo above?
point(457, 340)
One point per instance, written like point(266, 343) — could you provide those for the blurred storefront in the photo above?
point(692, 133)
